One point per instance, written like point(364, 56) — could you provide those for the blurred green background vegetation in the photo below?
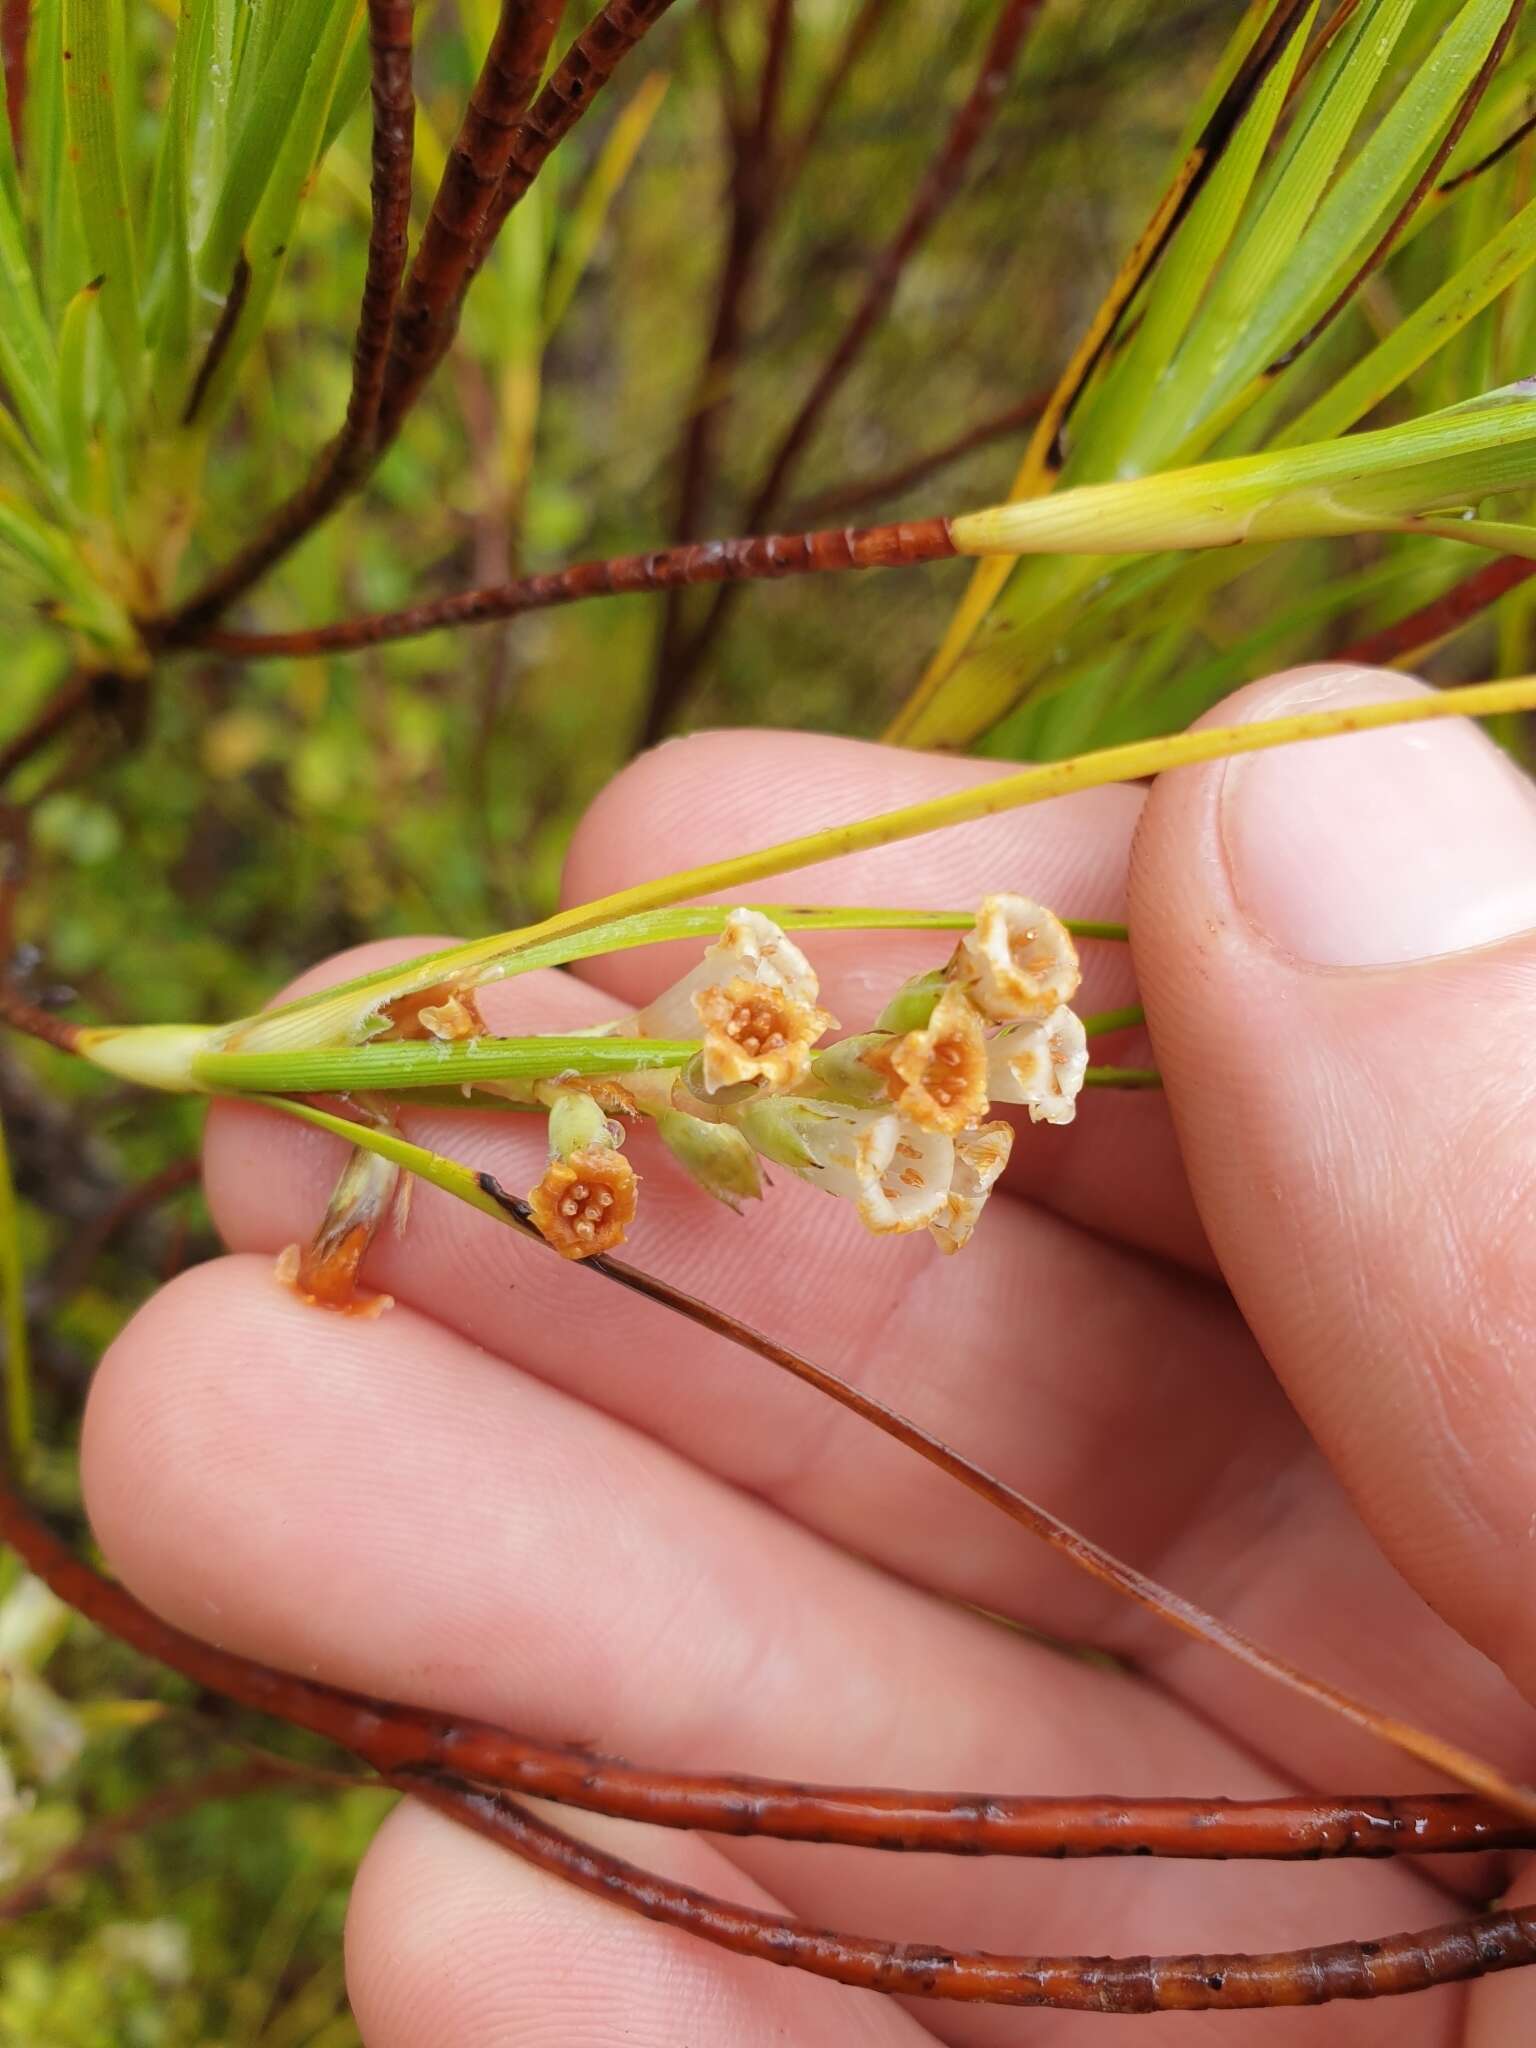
point(214, 828)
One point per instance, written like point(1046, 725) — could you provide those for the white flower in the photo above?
point(1018, 962)
point(752, 999)
point(1041, 1065)
point(896, 1174)
point(980, 1157)
point(937, 1076)
point(751, 948)
point(755, 1032)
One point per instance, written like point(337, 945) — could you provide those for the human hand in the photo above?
point(527, 1497)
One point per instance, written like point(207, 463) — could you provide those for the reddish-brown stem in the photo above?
point(15, 26)
point(890, 483)
point(432, 297)
point(168, 1802)
point(220, 339)
point(799, 149)
point(85, 1245)
point(938, 186)
point(1486, 163)
point(434, 308)
point(73, 697)
point(447, 1765)
point(393, 1739)
point(579, 76)
point(1057, 1535)
point(733, 100)
point(1424, 185)
point(21, 1015)
point(1382, 1968)
point(1445, 614)
point(752, 196)
point(343, 464)
point(708, 561)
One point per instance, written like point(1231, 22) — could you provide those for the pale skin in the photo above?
point(1272, 1337)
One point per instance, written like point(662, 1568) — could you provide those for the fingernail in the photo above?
point(1383, 847)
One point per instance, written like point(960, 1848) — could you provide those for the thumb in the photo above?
point(1337, 947)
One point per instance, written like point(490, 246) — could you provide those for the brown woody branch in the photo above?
point(890, 483)
point(1384, 1968)
point(798, 150)
point(755, 188)
point(709, 561)
point(344, 463)
point(580, 75)
point(585, 67)
point(433, 294)
point(449, 1765)
point(101, 1843)
point(938, 186)
point(1453, 609)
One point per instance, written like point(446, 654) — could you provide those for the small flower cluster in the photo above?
point(893, 1120)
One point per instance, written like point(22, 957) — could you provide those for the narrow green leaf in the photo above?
point(264, 116)
point(450, 1175)
point(427, 1065)
point(79, 392)
point(1243, 324)
point(288, 171)
point(585, 223)
point(64, 261)
point(1257, 329)
point(351, 86)
point(25, 462)
point(1360, 483)
point(1107, 423)
point(18, 1356)
point(195, 72)
point(208, 111)
point(95, 113)
point(27, 363)
point(1427, 329)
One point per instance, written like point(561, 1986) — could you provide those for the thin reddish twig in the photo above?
point(100, 1843)
point(583, 70)
point(575, 82)
point(420, 1753)
point(1486, 163)
point(800, 147)
point(447, 1764)
point(342, 465)
point(394, 1739)
point(709, 561)
point(752, 195)
point(433, 293)
point(27, 1017)
point(1057, 1535)
point(61, 710)
point(937, 187)
point(85, 1245)
point(1385, 1967)
point(890, 483)
point(1443, 615)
